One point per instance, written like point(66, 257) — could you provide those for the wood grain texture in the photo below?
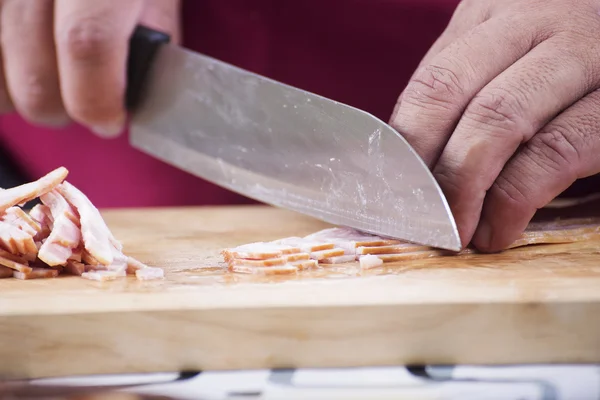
point(531, 305)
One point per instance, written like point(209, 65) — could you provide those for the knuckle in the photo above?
point(500, 110)
point(434, 86)
point(86, 39)
point(558, 149)
point(511, 190)
point(35, 100)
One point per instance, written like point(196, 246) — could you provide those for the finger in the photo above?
point(466, 16)
point(435, 98)
point(505, 114)
point(164, 16)
point(6, 105)
point(564, 150)
point(30, 64)
point(92, 41)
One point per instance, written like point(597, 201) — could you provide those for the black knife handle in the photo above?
point(143, 46)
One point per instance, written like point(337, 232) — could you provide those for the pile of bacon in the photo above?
point(345, 245)
point(63, 234)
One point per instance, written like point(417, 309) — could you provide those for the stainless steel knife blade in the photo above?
point(288, 148)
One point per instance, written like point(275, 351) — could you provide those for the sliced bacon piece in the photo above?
point(393, 249)
point(320, 255)
point(15, 240)
point(43, 216)
point(259, 251)
point(16, 265)
point(305, 245)
point(271, 262)
point(133, 265)
point(75, 268)
point(97, 238)
point(417, 255)
point(142, 271)
point(305, 264)
point(339, 260)
point(119, 264)
point(281, 270)
point(87, 258)
point(5, 272)
point(370, 262)
point(350, 234)
point(349, 239)
point(149, 273)
point(36, 273)
point(103, 275)
point(76, 254)
point(65, 235)
point(297, 257)
point(19, 218)
point(29, 191)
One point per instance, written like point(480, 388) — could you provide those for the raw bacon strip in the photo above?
point(36, 273)
point(97, 238)
point(557, 224)
point(572, 202)
point(320, 255)
point(370, 262)
point(29, 191)
point(394, 249)
point(5, 272)
point(281, 270)
point(338, 260)
point(556, 236)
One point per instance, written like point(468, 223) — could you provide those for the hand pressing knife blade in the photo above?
point(281, 145)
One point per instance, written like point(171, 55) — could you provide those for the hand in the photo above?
point(65, 60)
point(505, 109)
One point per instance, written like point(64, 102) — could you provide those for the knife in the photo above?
point(281, 145)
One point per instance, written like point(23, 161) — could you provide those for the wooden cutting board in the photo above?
point(533, 305)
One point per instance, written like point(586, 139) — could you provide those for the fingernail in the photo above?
point(483, 236)
point(108, 130)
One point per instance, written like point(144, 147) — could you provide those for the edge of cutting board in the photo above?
point(372, 321)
